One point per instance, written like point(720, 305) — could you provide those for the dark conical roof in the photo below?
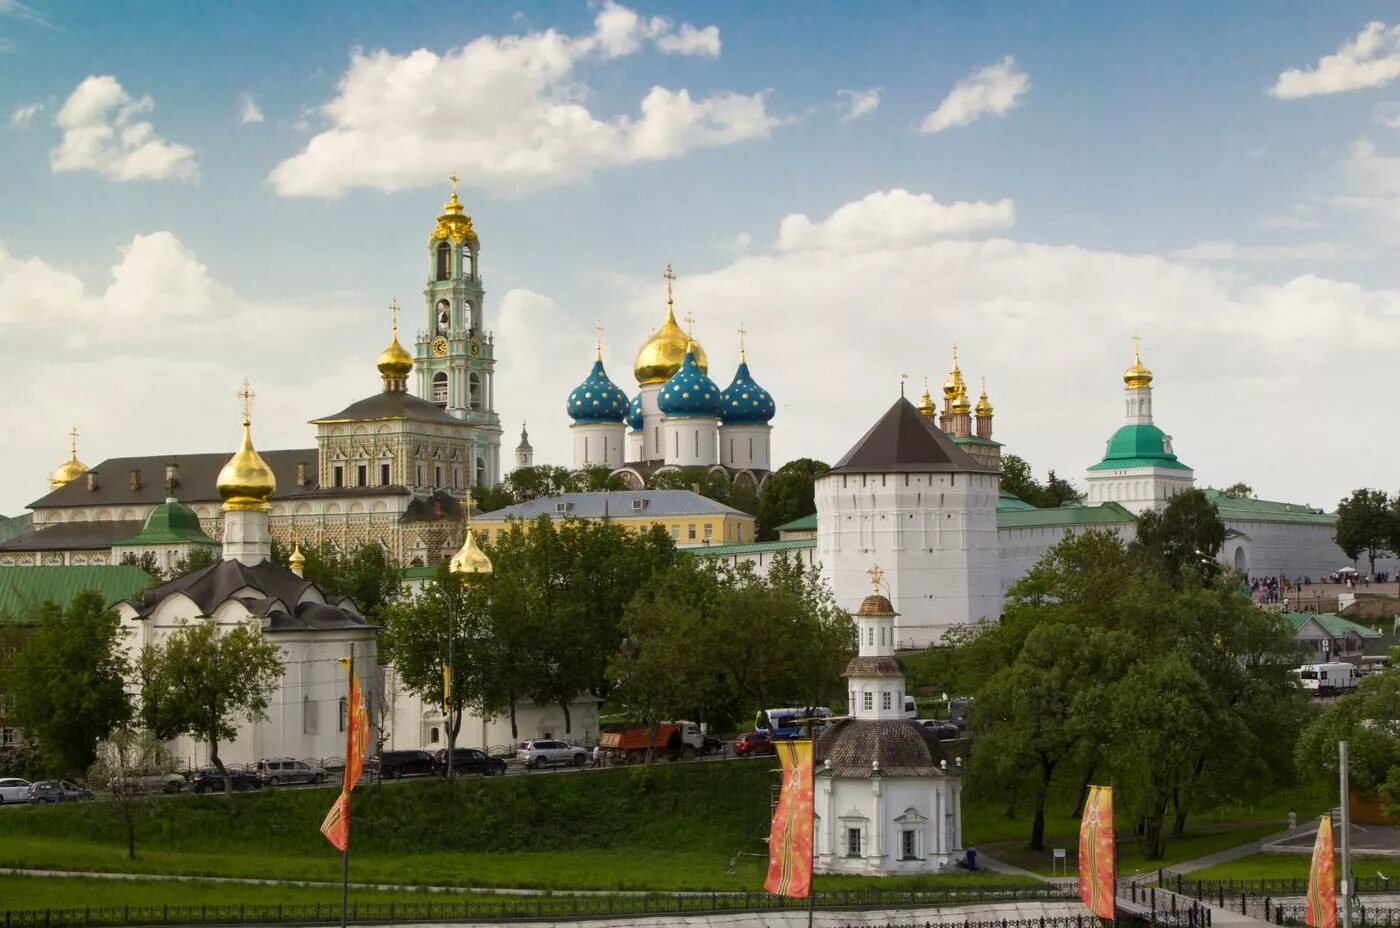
point(904, 441)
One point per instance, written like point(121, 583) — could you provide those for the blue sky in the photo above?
point(1144, 167)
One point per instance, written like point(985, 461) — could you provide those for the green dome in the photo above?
point(1141, 445)
point(171, 523)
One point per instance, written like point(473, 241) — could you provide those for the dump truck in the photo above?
point(673, 741)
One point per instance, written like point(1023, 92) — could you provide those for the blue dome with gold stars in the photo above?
point(689, 392)
point(745, 402)
point(597, 399)
point(634, 414)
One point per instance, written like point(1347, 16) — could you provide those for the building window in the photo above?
point(690, 532)
point(474, 384)
point(909, 844)
point(697, 443)
point(383, 475)
point(420, 475)
point(440, 388)
point(882, 636)
point(885, 702)
point(432, 736)
point(444, 261)
point(750, 450)
point(709, 531)
point(344, 714)
point(444, 317)
point(437, 475)
point(338, 476)
point(361, 475)
point(867, 701)
point(675, 533)
point(481, 472)
point(852, 842)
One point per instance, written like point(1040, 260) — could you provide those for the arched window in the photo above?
point(432, 736)
point(469, 256)
point(444, 261)
point(474, 382)
point(440, 388)
point(444, 317)
point(344, 714)
point(481, 472)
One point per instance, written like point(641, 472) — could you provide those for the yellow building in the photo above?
point(689, 518)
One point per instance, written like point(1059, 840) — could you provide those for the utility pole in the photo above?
point(1346, 836)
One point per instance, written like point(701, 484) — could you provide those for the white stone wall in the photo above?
point(745, 446)
point(1291, 549)
point(1020, 548)
point(882, 808)
point(934, 535)
point(1137, 489)
point(651, 422)
point(598, 443)
point(690, 441)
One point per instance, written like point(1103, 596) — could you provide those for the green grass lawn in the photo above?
point(40, 892)
point(1277, 866)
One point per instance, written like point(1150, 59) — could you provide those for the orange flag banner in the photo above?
point(1321, 911)
point(1096, 852)
point(336, 826)
point(790, 838)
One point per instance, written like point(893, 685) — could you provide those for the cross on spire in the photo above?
point(453, 178)
point(743, 352)
point(876, 574)
point(73, 435)
point(1137, 343)
point(598, 328)
point(246, 396)
point(689, 324)
point(670, 276)
point(394, 314)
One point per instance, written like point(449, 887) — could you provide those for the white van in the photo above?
point(1329, 679)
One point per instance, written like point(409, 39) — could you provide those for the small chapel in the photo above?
point(887, 801)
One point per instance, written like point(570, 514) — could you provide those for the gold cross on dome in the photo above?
point(246, 395)
point(74, 436)
point(453, 178)
point(1137, 343)
point(743, 352)
point(598, 328)
point(670, 276)
point(394, 314)
point(876, 574)
point(689, 324)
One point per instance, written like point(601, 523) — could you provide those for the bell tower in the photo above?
point(455, 354)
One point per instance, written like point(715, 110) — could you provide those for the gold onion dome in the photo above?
point(395, 361)
point(70, 469)
point(961, 403)
point(246, 482)
point(298, 560)
point(454, 224)
point(926, 406)
point(662, 354)
point(984, 405)
point(470, 559)
point(1137, 376)
point(954, 384)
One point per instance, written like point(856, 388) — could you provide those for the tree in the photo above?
point(527, 483)
point(147, 562)
point(1367, 524)
point(200, 557)
point(1018, 479)
point(1058, 491)
point(1182, 535)
point(1238, 491)
point(67, 685)
point(596, 477)
point(368, 575)
point(125, 756)
point(1366, 719)
point(788, 493)
point(202, 683)
point(711, 484)
point(489, 499)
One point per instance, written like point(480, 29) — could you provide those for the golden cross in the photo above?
point(689, 324)
point(453, 178)
point(394, 313)
point(875, 575)
point(955, 355)
point(1137, 343)
point(74, 436)
point(598, 328)
point(742, 332)
point(670, 279)
point(246, 395)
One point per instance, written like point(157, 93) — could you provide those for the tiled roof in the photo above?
point(210, 587)
point(1334, 625)
point(875, 667)
point(1236, 509)
point(903, 747)
point(903, 441)
point(1102, 514)
point(807, 523)
point(198, 478)
point(23, 588)
point(757, 547)
point(75, 536)
point(615, 503)
point(392, 404)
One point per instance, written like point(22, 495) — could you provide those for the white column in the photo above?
point(247, 536)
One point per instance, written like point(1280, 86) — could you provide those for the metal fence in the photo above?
point(1294, 913)
point(470, 908)
point(1218, 892)
point(1068, 921)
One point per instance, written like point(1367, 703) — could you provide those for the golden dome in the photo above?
point(298, 560)
point(454, 224)
point(662, 354)
point(246, 482)
point(926, 407)
point(984, 405)
point(1138, 376)
point(961, 404)
point(70, 469)
point(954, 384)
point(395, 361)
point(470, 559)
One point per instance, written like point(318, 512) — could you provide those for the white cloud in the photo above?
point(402, 121)
point(995, 89)
point(1388, 114)
point(1369, 188)
point(21, 11)
point(691, 41)
point(1372, 59)
point(891, 219)
point(248, 111)
point(101, 133)
point(1228, 252)
point(24, 114)
point(858, 103)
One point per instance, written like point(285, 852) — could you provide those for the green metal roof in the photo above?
point(1236, 509)
point(170, 523)
point(1139, 445)
point(15, 526)
point(1334, 625)
point(24, 588)
point(757, 547)
point(413, 573)
point(807, 523)
point(974, 440)
point(1102, 514)
point(1010, 502)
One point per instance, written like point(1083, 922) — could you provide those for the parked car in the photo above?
point(753, 743)
point(944, 730)
point(155, 782)
point(470, 760)
point(209, 780)
point(546, 752)
point(51, 791)
point(396, 764)
point(13, 789)
point(279, 771)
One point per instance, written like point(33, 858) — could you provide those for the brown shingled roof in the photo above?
point(903, 441)
point(903, 747)
point(875, 667)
